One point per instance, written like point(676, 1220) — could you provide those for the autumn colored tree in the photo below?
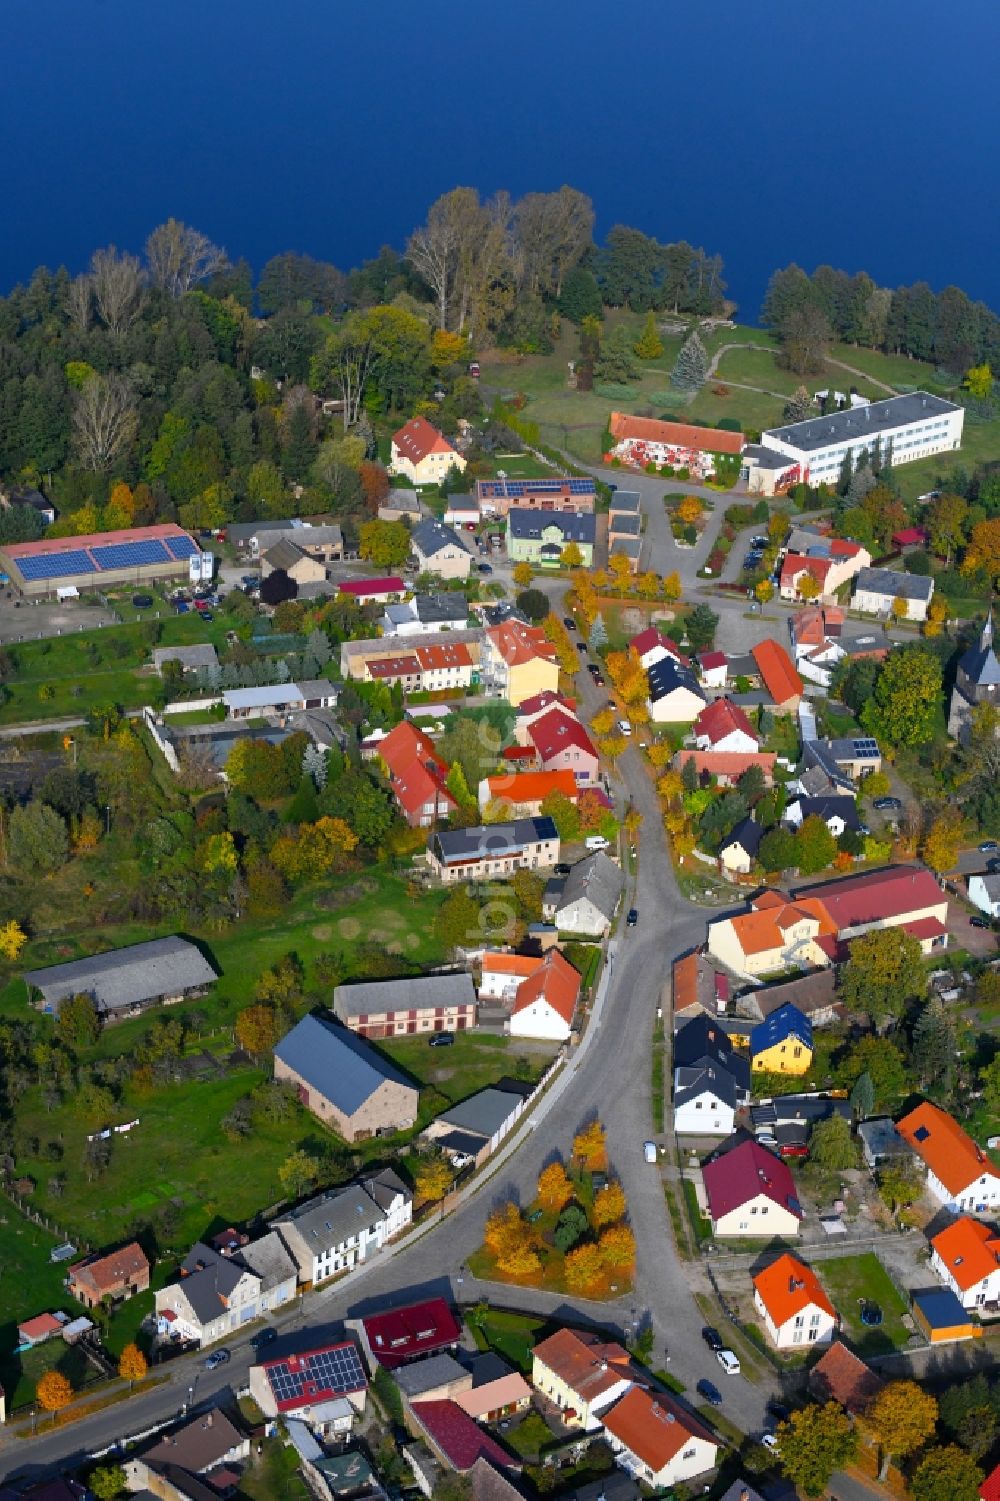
point(905, 698)
point(609, 1205)
point(79, 1021)
point(298, 1172)
point(945, 522)
point(132, 1364)
point(12, 939)
point(317, 849)
point(218, 855)
point(511, 1241)
point(591, 811)
point(648, 585)
point(119, 513)
point(943, 840)
point(589, 1146)
point(523, 575)
point(53, 1391)
point(689, 509)
point(571, 556)
point(433, 1178)
point(554, 1187)
point(764, 592)
point(556, 632)
point(613, 747)
point(584, 1268)
point(902, 1418)
point(649, 345)
point(814, 1442)
point(808, 587)
point(672, 587)
point(946, 1473)
point(620, 573)
point(983, 550)
point(603, 722)
point(617, 1246)
point(374, 485)
point(900, 608)
point(386, 543)
point(937, 614)
point(258, 1028)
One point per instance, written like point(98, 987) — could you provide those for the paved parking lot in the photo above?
point(27, 620)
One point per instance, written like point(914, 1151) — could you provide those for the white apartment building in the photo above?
point(910, 427)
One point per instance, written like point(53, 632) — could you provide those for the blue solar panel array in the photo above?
point(516, 488)
point(56, 565)
point(130, 554)
point(337, 1370)
point(181, 547)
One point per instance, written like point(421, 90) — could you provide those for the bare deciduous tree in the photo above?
point(434, 248)
point(551, 233)
point(350, 356)
point(79, 303)
point(118, 288)
point(105, 421)
point(178, 257)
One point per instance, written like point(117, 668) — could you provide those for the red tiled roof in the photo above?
point(555, 981)
point(459, 1437)
point(877, 895)
point(416, 771)
point(721, 718)
point(675, 434)
point(910, 536)
point(653, 1426)
point(401, 1333)
point(517, 643)
point(555, 731)
point(950, 1153)
point(587, 1364)
point(417, 438)
point(740, 1175)
point(775, 667)
point(707, 660)
point(532, 786)
point(727, 763)
point(925, 927)
point(440, 654)
point(795, 564)
point(109, 1272)
point(990, 1488)
point(373, 587)
point(650, 638)
point(42, 1325)
point(840, 1376)
point(685, 982)
point(544, 700)
point(394, 667)
point(788, 1286)
point(518, 753)
point(306, 1378)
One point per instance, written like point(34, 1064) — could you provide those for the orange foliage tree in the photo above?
point(617, 1246)
point(53, 1391)
point(258, 1028)
point(511, 1241)
point(609, 1204)
point(589, 1146)
point(554, 1187)
point(584, 1268)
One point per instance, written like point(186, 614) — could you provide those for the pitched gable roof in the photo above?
point(556, 982)
point(521, 787)
point(788, 1287)
point(876, 896)
point(343, 1068)
point(742, 1174)
point(763, 928)
point(653, 1426)
point(623, 426)
point(969, 1249)
point(459, 1437)
point(948, 1151)
point(417, 774)
point(840, 1376)
point(517, 643)
point(556, 730)
point(747, 835)
point(587, 1364)
point(777, 673)
point(431, 536)
point(108, 1272)
point(784, 1023)
point(722, 718)
point(417, 438)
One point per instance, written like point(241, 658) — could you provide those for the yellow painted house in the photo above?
point(783, 1043)
point(518, 662)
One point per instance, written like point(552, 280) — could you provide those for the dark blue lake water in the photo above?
point(863, 133)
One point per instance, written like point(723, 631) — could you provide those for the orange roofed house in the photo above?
point(840, 1376)
point(646, 440)
point(795, 1308)
point(117, 1276)
point(658, 1441)
point(582, 1374)
point(959, 1173)
point(422, 453)
point(416, 775)
point(546, 1001)
point(518, 661)
point(966, 1256)
point(525, 791)
point(776, 934)
point(778, 675)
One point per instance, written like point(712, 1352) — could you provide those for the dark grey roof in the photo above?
point(690, 1083)
point(666, 675)
point(573, 526)
point(893, 584)
point(704, 1042)
point(126, 977)
point(269, 1260)
point(766, 458)
point(411, 994)
point(598, 879)
point(431, 608)
point(429, 536)
point(491, 841)
point(345, 1069)
point(304, 535)
point(627, 547)
point(860, 424)
point(332, 1218)
point(464, 1143)
point(747, 834)
point(858, 640)
point(197, 1444)
point(631, 525)
point(810, 993)
point(820, 753)
point(426, 1375)
point(497, 614)
point(483, 1114)
point(386, 1186)
point(209, 1281)
point(399, 499)
point(614, 1486)
point(831, 806)
point(284, 554)
point(241, 532)
point(626, 500)
point(487, 1366)
point(202, 654)
point(742, 667)
point(803, 1108)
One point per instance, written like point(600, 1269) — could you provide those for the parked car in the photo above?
point(483, 568)
point(581, 646)
point(989, 847)
point(217, 1358)
point(569, 622)
point(887, 804)
point(562, 869)
point(593, 669)
point(624, 727)
point(979, 922)
point(769, 1441)
point(778, 1410)
point(729, 1361)
point(760, 542)
point(441, 1040)
point(596, 842)
point(649, 1151)
point(709, 1391)
point(632, 921)
point(599, 681)
point(263, 1337)
point(712, 1337)
point(993, 866)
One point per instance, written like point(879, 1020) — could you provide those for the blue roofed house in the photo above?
point(782, 1043)
point(344, 1080)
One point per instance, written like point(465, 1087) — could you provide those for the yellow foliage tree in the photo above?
point(448, 349)
point(554, 1188)
point(571, 556)
point(808, 587)
point(511, 1242)
point(258, 1028)
point(684, 841)
point(87, 832)
point(53, 1391)
point(609, 1205)
point(612, 747)
point(902, 1418)
point(317, 849)
point(983, 550)
point(937, 614)
point(900, 608)
point(690, 509)
point(589, 1146)
point(119, 513)
point(648, 585)
point(603, 722)
point(617, 1246)
point(660, 753)
point(764, 592)
point(556, 632)
point(12, 939)
point(132, 1364)
point(672, 587)
point(620, 571)
point(584, 1268)
point(670, 784)
point(943, 840)
point(523, 574)
point(433, 1178)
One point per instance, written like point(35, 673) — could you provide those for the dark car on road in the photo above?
point(441, 1040)
point(989, 847)
point(709, 1391)
point(264, 1337)
point(632, 920)
point(562, 869)
point(581, 646)
point(217, 1358)
point(979, 922)
point(887, 804)
point(569, 622)
point(712, 1337)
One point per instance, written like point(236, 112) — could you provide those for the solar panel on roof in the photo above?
point(55, 565)
point(866, 747)
point(180, 547)
point(336, 1370)
point(130, 554)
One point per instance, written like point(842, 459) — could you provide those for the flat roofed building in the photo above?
point(99, 560)
point(910, 427)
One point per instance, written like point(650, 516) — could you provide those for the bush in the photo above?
point(689, 533)
point(955, 585)
point(918, 562)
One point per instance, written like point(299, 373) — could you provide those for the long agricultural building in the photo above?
point(100, 560)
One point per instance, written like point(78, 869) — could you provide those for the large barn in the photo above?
point(101, 560)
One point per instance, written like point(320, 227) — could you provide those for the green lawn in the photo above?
point(474, 1061)
point(848, 1278)
point(531, 1436)
point(512, 1335)
point(274, 1476)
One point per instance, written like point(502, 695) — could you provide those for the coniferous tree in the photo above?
point(691, 365)
point(598, 634)
point(649, 345)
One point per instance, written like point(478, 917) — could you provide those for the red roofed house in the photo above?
point(834, 563)
point(658, 1441)
point(959, 1173)
point(713, 669)
point(374, 591)
point(750, 1192)
point(416, 775)
point(646, 440)
point(793, 1304)
point(42, 1327)
point(322, 1387)
point(538, 704)
point(839, 1376)
point(400, 1335)
point(898, 896)
point(118, 1276)
point(422, 453)
point(582, 1374)
point(909, 537)
point(966, 1256)
point(525, 791)
point(726, 766)
point(504, 974)
point(546, 1001)
point(444, 666)
point(562, 744)
point(778, 676)
point(456, 1439)
point(651, 646)
point(723, 726)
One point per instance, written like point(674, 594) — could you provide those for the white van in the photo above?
point(624, 728)
point(649, 1150)
point(596, 842)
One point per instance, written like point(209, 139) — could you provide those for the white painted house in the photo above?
point(907, 427)
point(793, 1304)
point(966, 1256)
point(959, 1173)
point(546, 1002)
point(656, 1440)
point(984, 893)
